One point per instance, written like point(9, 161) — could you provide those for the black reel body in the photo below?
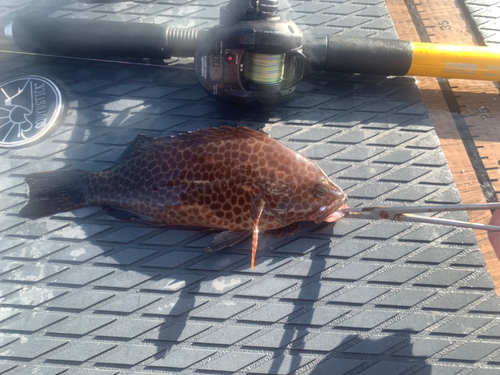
point(253, 62)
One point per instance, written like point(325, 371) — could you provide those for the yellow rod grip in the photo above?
point(463, 62)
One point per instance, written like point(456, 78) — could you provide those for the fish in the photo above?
point(235, 179)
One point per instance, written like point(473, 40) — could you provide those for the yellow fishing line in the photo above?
point(264, 69)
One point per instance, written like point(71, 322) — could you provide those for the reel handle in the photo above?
point(78, 37)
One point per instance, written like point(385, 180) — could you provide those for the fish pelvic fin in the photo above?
point(255, 214)
point(53, 192)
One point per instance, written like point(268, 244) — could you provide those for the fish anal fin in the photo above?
point(125, 215)
point(227, 238)
point(288, 231)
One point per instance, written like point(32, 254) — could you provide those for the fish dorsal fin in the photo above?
point(220, 134)
point(145, 143)
point(142, 143)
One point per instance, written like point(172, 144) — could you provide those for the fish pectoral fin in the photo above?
point(227, 238)
point(288, 231)
point(255, 215)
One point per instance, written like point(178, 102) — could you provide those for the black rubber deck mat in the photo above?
point(84, 293)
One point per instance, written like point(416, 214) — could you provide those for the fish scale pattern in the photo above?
point(83, 293)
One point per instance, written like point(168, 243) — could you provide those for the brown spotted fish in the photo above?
point(237, 179)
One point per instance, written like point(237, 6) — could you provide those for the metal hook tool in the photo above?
point(405, 213)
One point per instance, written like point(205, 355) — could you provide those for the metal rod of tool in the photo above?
point(451, 223)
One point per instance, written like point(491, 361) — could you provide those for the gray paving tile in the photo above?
point(489, 306)
point(367, 319)
point(223, 310)
point(283, 364)
point(182, 358)
point(81, 325)
point(81, 301)
point(37, 251)
point(382, 231)
point(31, 348)
point(266, 288)
point(178, 332)
point(130, 329)
point(414, 323)
point(308, 268)
point(319, 316)
point(173, 283)
point(275, 339)
point(271, 313)
point(342, 228)
point(398, 275)
point(126, 257)
point(406, 298)
point(217, 262)
point(443, 279)
point(33, 322)
point(79, 254)
point(313, 292)
point(130, 355)
point(424, 348)
point(172, 259)
point(228, 335)
point(232, 362)
point(390, 252)
point(81, 352)
point(452, 301)
point(359, 295)
point(471, 351)
point(439, 370)
point(347, 249)
point(389, 368)
point(128, 304)
point(267, 264)
point(461, 326)
point(352, 271)
point(82, 276)
point(376, 344)
point(341, 366)
point(220, 285)
point(31, 274)
point(41, 370)
point(176, 307)
point(434, 255)
point(32, 297)
point(426, 233)
point(125, 280)
point(81, 232)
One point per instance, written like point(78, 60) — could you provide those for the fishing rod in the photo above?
point(254, 57)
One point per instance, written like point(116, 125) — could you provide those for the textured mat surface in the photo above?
point(484, 14)
point(83, 293)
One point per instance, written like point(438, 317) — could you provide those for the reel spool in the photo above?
point(263, 69)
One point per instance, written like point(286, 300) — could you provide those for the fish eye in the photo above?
point(320, 188)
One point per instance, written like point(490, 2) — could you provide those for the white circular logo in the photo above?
point(30, 107)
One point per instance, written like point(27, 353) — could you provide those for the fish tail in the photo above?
point(54, 192)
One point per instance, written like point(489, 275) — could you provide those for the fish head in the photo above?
point(306, 194)
point(327, 199)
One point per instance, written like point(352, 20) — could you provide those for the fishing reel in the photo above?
point(253, 57)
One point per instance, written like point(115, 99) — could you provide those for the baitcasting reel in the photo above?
point(253, 57)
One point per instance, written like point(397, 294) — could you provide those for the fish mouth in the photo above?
point(329, 213)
